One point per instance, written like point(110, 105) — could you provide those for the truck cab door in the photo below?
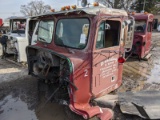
point(105, 67)
point(33, 26)
point(107, 61)
point(34, 35)
point(127, 34)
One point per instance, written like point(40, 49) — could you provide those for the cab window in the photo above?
point(72, 33)
point(108, 34)
point(140, 26)
point(45, 31)
point(149, 29)
point(18, 26)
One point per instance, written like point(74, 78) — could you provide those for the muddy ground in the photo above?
point(20, 98)
point(141, 75)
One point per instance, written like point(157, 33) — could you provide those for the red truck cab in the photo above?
point(1, 22)
point(80, 52)
point(142, 34)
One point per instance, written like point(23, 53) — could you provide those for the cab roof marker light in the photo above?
point(62, 8)
point(73, 6)
point(88, 3)
point(52, 10)
point(133, 13)
point(146, 13)
point(95, 4)
point(67, 7)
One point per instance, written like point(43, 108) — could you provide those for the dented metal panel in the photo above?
point(145, 104)
point(92, 72)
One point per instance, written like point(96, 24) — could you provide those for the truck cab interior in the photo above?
point(108, 34)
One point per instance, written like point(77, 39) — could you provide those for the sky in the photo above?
point(12, 7)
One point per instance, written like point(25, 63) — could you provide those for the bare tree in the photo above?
point(34, 8)
point(152, 6)
point(118, 4)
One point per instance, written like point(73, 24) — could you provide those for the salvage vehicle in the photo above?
point(142, 34)
point(18, 38)
point(1, 21)
point(3, 29)
point(79, 54)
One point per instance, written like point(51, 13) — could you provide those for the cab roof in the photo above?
point(142, 16)
point(89, 11)
point(17, 18)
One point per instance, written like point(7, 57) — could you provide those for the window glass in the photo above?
point(140, 26)
point(108, 34)
point(72, 32)
point(149, 27)
point(100, 38)
point(18, 26)
point(45, 31)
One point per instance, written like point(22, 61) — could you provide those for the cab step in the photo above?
point(107, 101)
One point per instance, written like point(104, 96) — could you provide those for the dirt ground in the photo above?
point(20, 98)
point(143, 75)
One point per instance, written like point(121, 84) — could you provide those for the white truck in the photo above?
point(18, 38)
point(158, 28)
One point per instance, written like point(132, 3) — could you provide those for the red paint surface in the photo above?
point(145, 37)
point(90, 84)
point(1, 21)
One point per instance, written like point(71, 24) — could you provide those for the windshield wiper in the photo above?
point(42, 39)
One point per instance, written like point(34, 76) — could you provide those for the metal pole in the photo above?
point(144, 5)
point(77, 2)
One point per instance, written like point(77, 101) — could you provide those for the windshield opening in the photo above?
point(18, 26)
point(45, 31)
point(140, 26)
point(72, 33)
